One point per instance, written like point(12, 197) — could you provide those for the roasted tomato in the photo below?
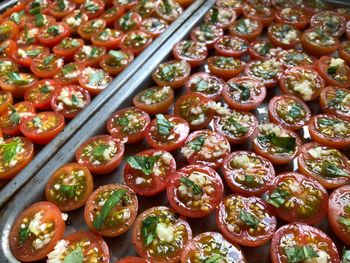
point(94, 80)
point(260, 49)
point(167, 132)
point(128, 124)
point(8, 30)
point(206, 34)
point(315, 6)
point(17, 83)
point(275, 143)
point(20, 18)
point(235, 5)
point(92, 27)
point(69, 100)
point(297, 198)
point(172, 73)
point(68, 47)
point(168, 10)
point(127, 4)
point(160, 235)
point(304, 83)
point(7, 66)
point(283, 35)
point(207, 148)
point(154, 26)
point(334, 71)
point(83, 245)
point(128, 22)
point(40, 94)
point(295, 16)
point(196, 109)
point(225, 67)
point(41, 20)
point(15, 154)
point(147, 172)
point(93, 8)
point(69, 187)
point(14, 115)
point(7, 48)
point(46, 67)
point(26, 54)
point(326, 165)
point(329, 130)
point(36, 231)
point(246, 221)
point(28, 36)
point(292, 242)
point(53, 34)
point(34, 7)
point(206, 84)
point(69, 73)
point(145, 9)
point(335, 100)
point(339, 213)
point(344, 11)
point(155, 100)
point(112, 14)
point(89, 55)
point(61, 8)
point(278, 4)
point(132, 260)
point(116, 61)
point(211, 247)
point(261, 13)
point(231, 46)
point(236, 126)
point(289, 111)
point(244, 93)
point(108, 38)
point(220, 17)
point(344, 51)
point(193, 52)
point(100, 154)
point(5, 100)
point(136, 41)
point(293, 58)
point(247, 173)
point(42, 127)
point(330, 22)
point(318, 43)
point(111, 210)
point(267, 71)
point(195, 190)
point(246, 28)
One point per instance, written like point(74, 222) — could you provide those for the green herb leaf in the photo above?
point(332, 70)
point(111, 202)
point(95, 78)
point(202, 85)
point(249, 219)
point(149, 228)
point(68, 190)
point(164, 126)
point(327, 122)
point(68, 68)
point(37, 122)
point(61, 5)
point(265, 49)
point(118, 55)
point(11, 149)
point(76, 256)
point(75, 100)
point(241, 26)
point(23, 235)
point(49, 59)
point(286, 143)
point(346, 256)
point(167, 6)
point(186, 46)
point(16, 17)
point(344, 221)
point(45, 89)
point(197, 143)
point(295, 111)
point(94, 52)
point(16, 78)
point(278, 197)
point(213, 259)
point(142, 163)
point(196, 189)
point(33, 53)
point(122, 121)
point(54, 30)
point(297, 254)
point(14, 116)
point(39, 20)
point(91, 7)
point(239, 127)
point(214, 18)
point(330, 169)
point(126, 22)
point(98, 151)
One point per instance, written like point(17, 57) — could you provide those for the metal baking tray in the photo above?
point(122, 246)
point(75, 125)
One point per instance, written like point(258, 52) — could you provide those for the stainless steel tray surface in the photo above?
point(74, 125)
point(122, 246)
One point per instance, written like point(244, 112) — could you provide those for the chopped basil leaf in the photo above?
point(295, 111)
point(249, 219)
point(68, 68)
point(337, 101)
point(142, 163)
point(118, 55)
point(278, 197)
point(76, 256)
point(39, 20)
point(23, 234)
point(68, 190)
point(213, 259)
point(167, 7)
point(92, 7)
point(330, 169)
point(75, 100)
point(197, 143)
point(327, 122)
point(95, 78)
point(196, 189)
point(239, 127)
point(332, 70)
point(14, 116)
point(54, 30)
point(164, 126)
point(61, 4)
point(75, 43)
point(94, 52)
point(111, 202)
point(16, 17)
point(344, 221)
point(33, 53)
point(287, 144)
point(242, 27)
point(186, 46)
point(37, 122)
point(168, 72)
point(265, 49)
point(149, 228)
point(295, 56)
point(49, 59)
point(45, 89)
point(245, 91)
point(297, 254)
point(202, 85)
point(11, 149)
point(346, 256)
point(16, 78)
point(98, 151)
point(122, 121)
point(214, 15)
point(125, 21)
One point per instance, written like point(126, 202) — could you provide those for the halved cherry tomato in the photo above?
point(333, 100)
point(53, 34)
point(193, 52)
point(94, 80)
point(329, 130)
point(220, 17)
point(69, 187)
point(91, 28)
point(109, 38)
point(15, 154)
point(46, 67)
point(225, 67)
point(207, 148)
point(40, 20)
point(5, 100)
point(145, 9)
point(17, 83)
point(290, 239)
point(172, 73)
point(127, 4)
point(26, 54)
point(275, 143)
point(7, 48)
point(14, 115)
point(111, 210)
point(326, 165)
point(128, 22)
point(206, 34)
point(20, 18)
point(315, 6)
point(34, 7)
point(304, 83)
point(334, 71)
point(89, 55)
point(147, 172)
point(91, 246)
point(136, 41)
point(283, 35)
point(69, 74)
point(151, 225)
point(344, 11)
point(294, 16)
point(231, 46)
point(289, 111)
point(40, 94)
point(247, 173)
point(69, 100)
point(28, 36)
point(293, 58)
point(75, 19)
point(132, 260)
point(235, 5)
point(7, 66)
point(8, 30)
point(168, 10)
point(19, 6)
point(338, 212)
point(36, 231)
point(330, 22)
point(112, 14)
point(128, 124)
point(195, 190)
point(344, 51)
point(167, 132)
point(261, 13)
point(244, 93)
point(60, 9)
point(68, 47)
point(260, 49)
point(246, 28)
point(246, 221)
point(195, 109)
point(115, 61)
point(93, 8)
point(100, 154)
point(154, 26)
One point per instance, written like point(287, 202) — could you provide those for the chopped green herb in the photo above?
point(68, 190)
point(76, 256)
point(45, 89)
point(214, 17)
point(17, 79)
point(39, 20)
point(197, 143)
point(98, 151)
point(297, 254)
point(330, 169)
point(202, 85)
point(54, 30)
point(11, 149)
point(75, 100)
point(344, 221)
point(196, 189)
point(249, 219)
point(16, 17)
point(346, 256)
point(37, 122)
point(68, 69)
point(295, 111)
point(14, 116)
point(49, 59)
point(118, 55)
point(164, 126)
point(214, 259)
point(148, 229)
point(143, 163)
point(23, 234)
point(278, 197)
point(239, 127)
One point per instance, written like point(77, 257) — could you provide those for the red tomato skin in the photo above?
point(275, 42)
point(249, 37)
point(68, 55)
point(193, 62)
point(321, 67)
point(135, 51)
point(132, 260)
point(225, 74)
point(230, 53)
point(300, 24)
point(46, 104)
point(326, 109)
point(54, 41)
point(7, 103)
point(314, 49)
